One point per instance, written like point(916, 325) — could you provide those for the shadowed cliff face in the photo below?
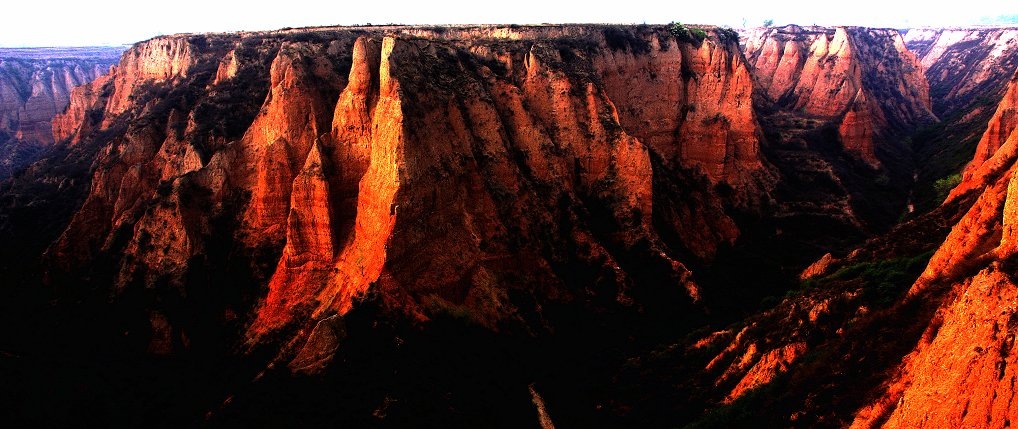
point(837, 107)
point(453, 174)
point(35, 85)
point(968, 71)
point(963, 65)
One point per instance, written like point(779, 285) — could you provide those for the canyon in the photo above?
point(515, 226)
point(36, 85)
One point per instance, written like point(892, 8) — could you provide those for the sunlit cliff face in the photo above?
point(516, 179)
point(865, 80)
point(961, 372)
point(448, 170)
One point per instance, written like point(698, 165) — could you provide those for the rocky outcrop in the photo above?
point(73, 121)
point(864, 80)
point(961, 372)
point(35, 86)
point(821, 267)
point(34, 90)
point(968, 71)
point(156, 61)
point(448, 172)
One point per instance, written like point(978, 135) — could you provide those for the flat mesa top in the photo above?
point(87, 52)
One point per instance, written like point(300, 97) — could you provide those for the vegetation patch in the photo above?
point(883, 281)
point(727, 35)
point(620, 39)
point(687, 34)
point(944, 185)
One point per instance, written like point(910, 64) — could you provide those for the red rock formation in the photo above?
point(366, 119)
point(864, 80)
point(819, 268)
point(158, 60)
point(859, 127)
point(34, 90)
point(295, 114)
point(766, 368)
point(448, 173)
point(82, 99)
point(696, 93)
point(132, 165)
point(961, 374)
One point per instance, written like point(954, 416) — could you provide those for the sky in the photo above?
point(117, 22)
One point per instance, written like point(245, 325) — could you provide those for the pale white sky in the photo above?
point(113, 22)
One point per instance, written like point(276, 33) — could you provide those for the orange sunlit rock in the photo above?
point(843, 75)
point(961, 373)
point(443, 171)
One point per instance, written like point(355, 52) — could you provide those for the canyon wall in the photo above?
point(250, 193)
point(968, 71)
point(35, 85)
point(965, 65)
point(477, 171)
point(864, 80)
point(962, 371)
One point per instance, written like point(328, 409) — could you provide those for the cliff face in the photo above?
point(696, 93)
point(450, 173)
point(864, 80)
point(968, 71)
point(837, 107)
point(35, 85)
point(961, 373)
point(965, 64)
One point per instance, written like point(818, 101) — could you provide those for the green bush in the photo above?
point(944, 185)
point(687, 34)
point(885, 280)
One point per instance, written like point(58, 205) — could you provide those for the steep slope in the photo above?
point(865, 81)
point(883, 338)
point(479, 171)
point(837, 106)
point(820, 356)
point(968, 71)
point(961, 372)
point(913, 329)
point(35, 85)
